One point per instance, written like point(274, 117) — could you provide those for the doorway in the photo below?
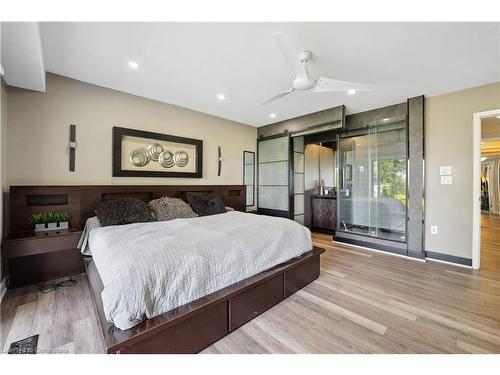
point(486, 191)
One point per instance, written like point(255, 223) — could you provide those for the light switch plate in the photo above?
point(446, 180)
point(445, 171)
point(434, 229)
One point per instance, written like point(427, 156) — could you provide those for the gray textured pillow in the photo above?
point(123, 211)
point(205, 204)
point(166, 208)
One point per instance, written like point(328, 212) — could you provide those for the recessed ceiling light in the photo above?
point(221, 96)
point(386, 119)
point(133, 65)
point(351, 92)
point(498, 117)
point(272, 115)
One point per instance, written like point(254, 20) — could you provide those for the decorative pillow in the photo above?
point(166, 208)
point(205, 204)
point(123, 211)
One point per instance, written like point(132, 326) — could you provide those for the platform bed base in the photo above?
point(193, 327)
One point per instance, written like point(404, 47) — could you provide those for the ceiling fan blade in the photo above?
point(329, 85)
point(290, 54)
point(279, 96)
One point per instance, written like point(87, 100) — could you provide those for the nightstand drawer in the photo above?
point(39, 244)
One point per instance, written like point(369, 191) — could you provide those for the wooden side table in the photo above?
point(33, 257)
point(324, 208)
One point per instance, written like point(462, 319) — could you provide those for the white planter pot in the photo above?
point(51, 226)
point(63, 225)
point(40, 227)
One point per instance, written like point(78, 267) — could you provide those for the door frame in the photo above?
point(476, 188)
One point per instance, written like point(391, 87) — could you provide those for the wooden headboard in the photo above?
point(81, 201)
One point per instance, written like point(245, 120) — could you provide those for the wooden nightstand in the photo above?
point(30, 257)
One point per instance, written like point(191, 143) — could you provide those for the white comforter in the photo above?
point(150, 268)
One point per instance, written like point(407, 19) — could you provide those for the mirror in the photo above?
point(249, 175)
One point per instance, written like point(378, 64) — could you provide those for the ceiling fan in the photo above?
point(303, 81)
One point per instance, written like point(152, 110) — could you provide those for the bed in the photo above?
point(269, 259)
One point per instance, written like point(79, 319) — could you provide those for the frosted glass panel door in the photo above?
point(249, 175)
point(273, 172)
point(298, 179)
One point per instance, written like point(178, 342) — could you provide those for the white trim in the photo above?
point(476, 189)
point(380, 251)
point(445, 262)
point(3, 288)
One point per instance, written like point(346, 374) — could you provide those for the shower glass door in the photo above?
point(372, 194)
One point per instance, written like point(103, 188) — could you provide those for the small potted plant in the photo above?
point(51, 220)
point(63, 219)
point(40, 219)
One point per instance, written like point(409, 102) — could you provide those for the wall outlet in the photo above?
point(434, 229)
point(446, 180)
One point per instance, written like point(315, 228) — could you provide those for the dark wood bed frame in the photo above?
point(188, 328)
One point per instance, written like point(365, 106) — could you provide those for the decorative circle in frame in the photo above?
point(166, 159)
point(154, 151)
point(181, 158)
point(139, 157)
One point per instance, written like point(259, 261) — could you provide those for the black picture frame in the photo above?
point(119, 133)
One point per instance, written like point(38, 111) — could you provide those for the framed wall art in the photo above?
point(139, 153)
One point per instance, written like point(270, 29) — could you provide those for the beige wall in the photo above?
point(38, 135)
point(448, 142)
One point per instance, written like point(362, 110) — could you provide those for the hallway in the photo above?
point(490, 242)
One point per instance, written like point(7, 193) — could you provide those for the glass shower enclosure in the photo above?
point(373, 180)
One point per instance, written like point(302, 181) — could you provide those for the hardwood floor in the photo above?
point(490, 242)
point(64, 319)
point(363, 302)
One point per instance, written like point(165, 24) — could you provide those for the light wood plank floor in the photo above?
point(490, 242)
point(363, 302)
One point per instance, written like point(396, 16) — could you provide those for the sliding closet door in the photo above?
point(274, 180)
point(298, 179)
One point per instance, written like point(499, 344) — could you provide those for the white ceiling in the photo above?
point(188, 64)
point(21, 55)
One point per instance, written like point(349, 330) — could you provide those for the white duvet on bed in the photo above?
point(150, 268)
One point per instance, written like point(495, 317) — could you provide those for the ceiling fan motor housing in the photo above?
point(301, 83)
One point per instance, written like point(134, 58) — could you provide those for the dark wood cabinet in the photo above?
point(324, 213)
point(31, 257)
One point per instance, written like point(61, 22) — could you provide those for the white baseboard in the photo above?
point(3, 288)
point(380, 251)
